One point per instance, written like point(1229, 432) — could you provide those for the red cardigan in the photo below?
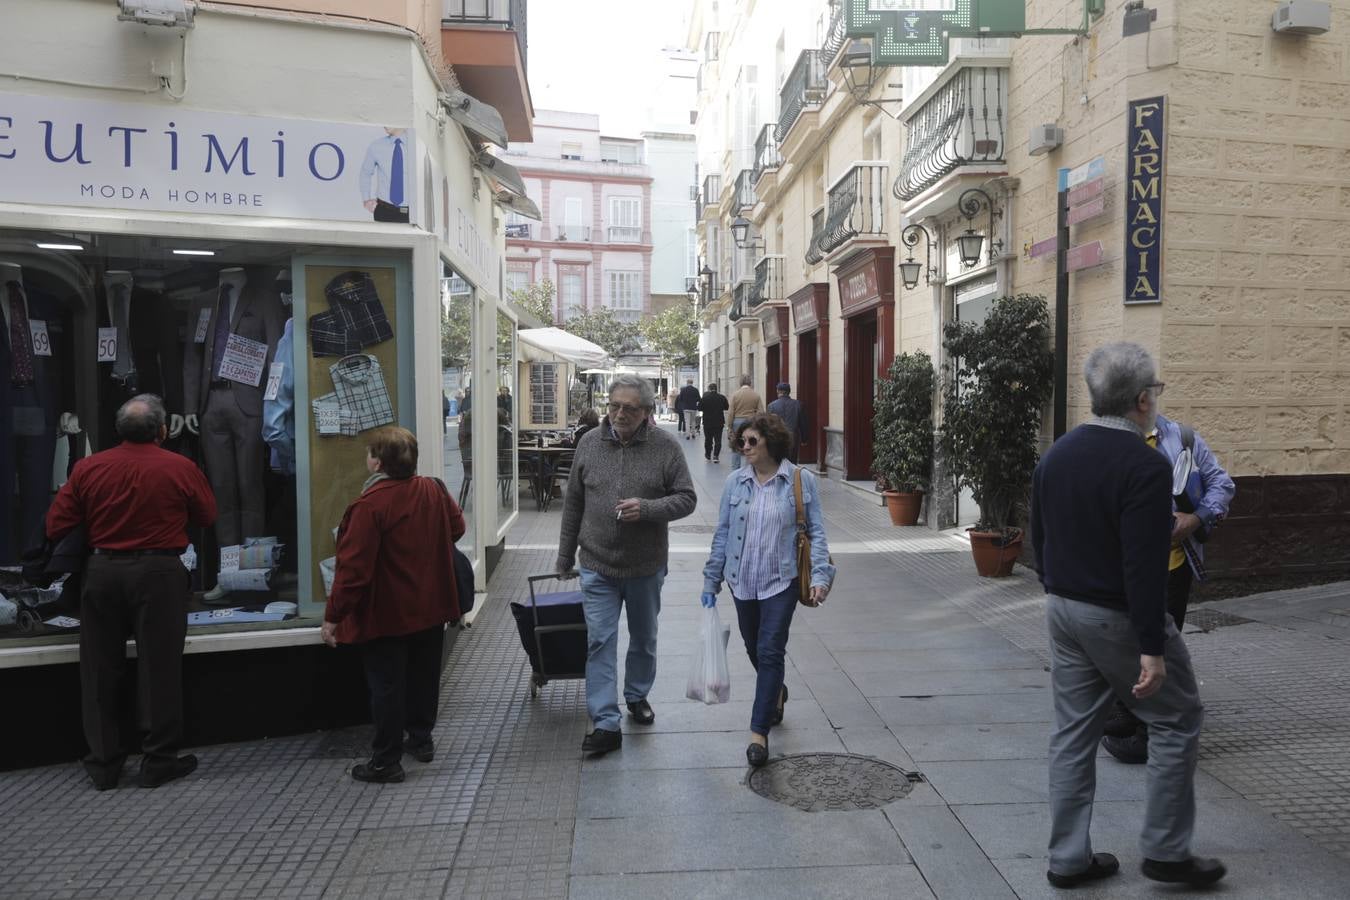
point(395, 572)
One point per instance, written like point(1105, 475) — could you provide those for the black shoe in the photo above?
point(601, 741)
point(708, 458)
point(1121, 723)
point(1132, 750)
point(782, 704)
point(378, 774)
point(162, 773)
point(756, 754)
point(103, 778)
point(421, 752)
point(1104, 865)
point(641, 711)
point(716, 460)
point(1195, 871)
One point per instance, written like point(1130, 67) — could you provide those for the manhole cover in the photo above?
point(1209, 619)
point(694, 529)
point(820, 782)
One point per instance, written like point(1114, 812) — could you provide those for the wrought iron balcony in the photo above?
point(767, 158)
point(740, 300)
point(508, 15)
point(574, 233)
point(623, 234)
point(520, 230)
point(712, 189)
point(768, 284)
point(857, 207)
point(743, 199)
point(837, 36)
point(814, 254)
point(962, 124)
point(804, 89)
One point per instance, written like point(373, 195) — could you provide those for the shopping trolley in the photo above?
point(552, 630)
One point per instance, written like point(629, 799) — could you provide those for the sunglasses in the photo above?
point(747, 442)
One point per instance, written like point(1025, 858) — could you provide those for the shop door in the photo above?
point(772, 375)
point(860, 378)
point(973, 299)
point(806, 393)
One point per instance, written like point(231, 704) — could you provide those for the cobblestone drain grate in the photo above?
point(832, 782)
point(1209, 619)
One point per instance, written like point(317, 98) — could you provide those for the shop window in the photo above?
point(457, 328)
point(507, 462)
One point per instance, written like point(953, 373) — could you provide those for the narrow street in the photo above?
point(914, 661)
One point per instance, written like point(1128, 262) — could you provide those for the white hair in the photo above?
point(1116, 374)
point(629, 381)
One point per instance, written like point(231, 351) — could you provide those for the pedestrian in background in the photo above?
point(1207, 495)
point(688, 409)
point(713, 406)
point(754, 552)
point(745, 404)
point(1101, 521)
point(790, 411)
point(624, 490)
point(393, 593)
point(135, 501)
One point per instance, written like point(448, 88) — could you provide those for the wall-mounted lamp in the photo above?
point(740, 233)
point(911, 269)
point(861, 74)
point(970, 245)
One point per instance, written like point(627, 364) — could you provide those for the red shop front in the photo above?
point(811, 324)
point(867, 306)
point(773, 325)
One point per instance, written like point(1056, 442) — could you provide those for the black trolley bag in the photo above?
point(552, 630)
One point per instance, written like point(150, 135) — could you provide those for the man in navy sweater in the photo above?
point(1101, 524)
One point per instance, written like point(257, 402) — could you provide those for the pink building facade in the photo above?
point(595, 241)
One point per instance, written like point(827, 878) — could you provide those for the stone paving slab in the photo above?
point(780, 883)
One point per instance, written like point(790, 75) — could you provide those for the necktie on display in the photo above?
point(222, 333)
point(123, 368)
point(20, 338)
point(396, 174)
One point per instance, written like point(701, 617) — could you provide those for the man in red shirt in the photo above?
point(135, 501)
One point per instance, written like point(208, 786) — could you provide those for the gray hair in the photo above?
point(747, 381)
point(1116, 374)
point(629, 381)
point(140, 419)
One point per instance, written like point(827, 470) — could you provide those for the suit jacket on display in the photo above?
point(257, 316)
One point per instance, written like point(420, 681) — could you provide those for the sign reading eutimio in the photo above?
point(168, 158)
point(1145, 151)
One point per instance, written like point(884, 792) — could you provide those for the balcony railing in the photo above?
point(739, 300)
point(837, 36)
point(574, 233)
point(519, 230)
point(623, 234)
point(803, 89)
point(744, 197)
point(813, 252)
point(712, 189)
point(505, 14)
point(857, 206)
point(767, 158)
point(768, 284)
point(962, 124)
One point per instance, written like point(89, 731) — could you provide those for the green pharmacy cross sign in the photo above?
point(916, 32)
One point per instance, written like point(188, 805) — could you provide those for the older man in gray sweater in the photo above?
point(629, 481)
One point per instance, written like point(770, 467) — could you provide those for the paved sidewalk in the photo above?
point(915, 661)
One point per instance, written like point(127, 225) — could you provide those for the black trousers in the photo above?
point(712, 441)
point(1179, 583)
point(679, 419)
point(404, 677)
point(388, 212)
point(142, 596)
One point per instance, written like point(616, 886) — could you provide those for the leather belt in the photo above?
point(119, 554)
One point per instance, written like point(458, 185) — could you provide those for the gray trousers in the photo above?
point(1095, 659)
point(234, 452)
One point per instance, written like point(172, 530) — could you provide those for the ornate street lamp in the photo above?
point(970, 245)
point(861, 74)
point(740, 232)
point(911, 268)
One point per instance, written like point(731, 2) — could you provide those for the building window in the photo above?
point(625, 220)
point(625, 295)
point(569, 292)
point(517, 226)
point(618, 152)
point(517, 278)
point(571, 150)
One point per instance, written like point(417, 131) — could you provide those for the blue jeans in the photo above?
point(603, 599)
point(764, 628)
point(735, 457)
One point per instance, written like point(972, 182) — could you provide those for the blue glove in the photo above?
point(709, 600)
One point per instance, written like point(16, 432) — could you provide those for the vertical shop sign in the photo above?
point(1145, 154)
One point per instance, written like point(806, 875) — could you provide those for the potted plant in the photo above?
point(1000, 378)
point(902, 435)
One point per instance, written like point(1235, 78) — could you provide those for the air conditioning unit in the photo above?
point(1044, 138)
point(1302, 17)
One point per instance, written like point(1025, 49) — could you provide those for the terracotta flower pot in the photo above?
point(903, 506)
point(994, 557)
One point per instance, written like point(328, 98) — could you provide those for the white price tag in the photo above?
point(42, 341)
point(274, 380)
point(107, 345)
point(229, 558)
point(329, 419)
point(203, 323)
point(243, 360)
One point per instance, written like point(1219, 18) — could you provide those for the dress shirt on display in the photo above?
point(385, 171)
point(360, 388)
point(279, 413)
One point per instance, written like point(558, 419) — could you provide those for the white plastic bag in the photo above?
point(710, 678)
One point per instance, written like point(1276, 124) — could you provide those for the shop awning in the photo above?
point(565, 346)
point(480, 118)
point(508, 187)
point(640, 371)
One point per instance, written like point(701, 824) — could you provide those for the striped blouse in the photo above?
point(761, 576)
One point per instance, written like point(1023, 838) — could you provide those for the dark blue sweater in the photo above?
point(1101, 524)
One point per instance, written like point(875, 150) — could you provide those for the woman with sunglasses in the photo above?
point(754, 551)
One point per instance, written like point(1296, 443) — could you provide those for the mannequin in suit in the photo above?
point(29, 390)
point(228, 414)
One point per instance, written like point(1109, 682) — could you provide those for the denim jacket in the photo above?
point(1210, 488)
point(724, 561)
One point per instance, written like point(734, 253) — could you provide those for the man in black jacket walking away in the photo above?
point(1101, 525)
point(714, 408)
point(686, 407)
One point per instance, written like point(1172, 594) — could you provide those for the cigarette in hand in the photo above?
point(618, 515)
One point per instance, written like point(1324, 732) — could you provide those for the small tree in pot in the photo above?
point(902, 435)
point(1001, 377)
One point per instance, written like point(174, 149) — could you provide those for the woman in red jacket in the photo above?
point(393, 592)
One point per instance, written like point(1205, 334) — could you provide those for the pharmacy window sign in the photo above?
point(916, 32)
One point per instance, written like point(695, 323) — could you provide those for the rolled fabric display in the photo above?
point(246, 580)
point(260, 556)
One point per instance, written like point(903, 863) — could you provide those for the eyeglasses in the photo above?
point(747, 442)
point(626, 408)
point(1157, 387)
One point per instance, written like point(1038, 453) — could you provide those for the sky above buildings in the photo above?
point(605, 57)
